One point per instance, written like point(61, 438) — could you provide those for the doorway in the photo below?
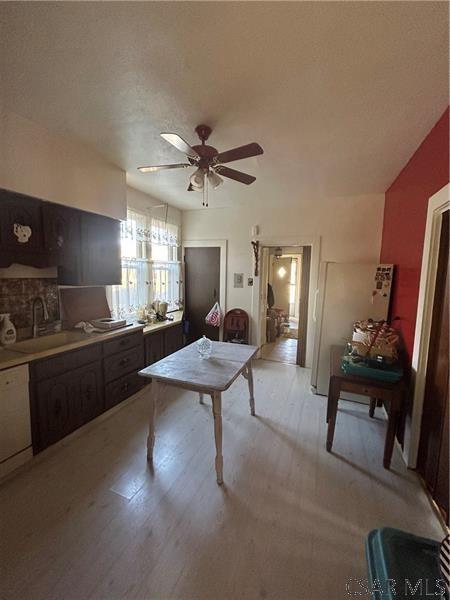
point(285, 306)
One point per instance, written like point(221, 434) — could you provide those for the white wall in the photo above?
point(349, 228)
point(39, 163)
point(142, 201)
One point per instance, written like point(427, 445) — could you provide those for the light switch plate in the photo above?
point(238, 280)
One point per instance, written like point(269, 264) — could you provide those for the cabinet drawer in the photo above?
point(126, 362)
point(124, 342)
point(121, 389)
point(61, 363)
point(366, 390)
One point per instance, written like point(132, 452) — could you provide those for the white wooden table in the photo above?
point(212, 376)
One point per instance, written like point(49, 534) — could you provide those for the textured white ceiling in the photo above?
point(339, 94)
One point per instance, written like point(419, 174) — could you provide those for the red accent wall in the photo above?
point(405, 214)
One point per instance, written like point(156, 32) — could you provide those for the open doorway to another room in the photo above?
point(285, 282)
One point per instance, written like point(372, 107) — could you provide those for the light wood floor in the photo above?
point(89, 520)
point(283, 350)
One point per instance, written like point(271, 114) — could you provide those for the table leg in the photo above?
point(250, 387)
point(390, 436)
point(373, 402)
point(333, 399)
point(217, 412)
point(154, 395)
point(329, 401)
point(201, 397)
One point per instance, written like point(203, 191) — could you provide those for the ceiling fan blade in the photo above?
point(236, 175)
point(180, 144)
point(246, 151)
point(153, 168)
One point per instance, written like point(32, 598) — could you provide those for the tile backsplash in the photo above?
point(16, 298)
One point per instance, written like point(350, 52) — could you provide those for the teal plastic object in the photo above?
point(361, 368)
point(402, 566)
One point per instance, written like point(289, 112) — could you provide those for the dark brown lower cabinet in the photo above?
point(154, 347)
point(89, 401)
point(70, 389)
point(121, 389)
point(173, 339)
point(67, 402)
point(162, 343)
point(128, 361)
point(53, 412)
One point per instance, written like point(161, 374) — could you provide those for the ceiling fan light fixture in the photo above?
point(197, 180)
point(214, 180)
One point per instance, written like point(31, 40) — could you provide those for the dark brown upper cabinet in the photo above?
point(21, 238)
point(100, 250)
point(84, 246)
point(62, 240)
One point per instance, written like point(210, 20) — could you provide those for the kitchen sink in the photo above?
point(47, 342)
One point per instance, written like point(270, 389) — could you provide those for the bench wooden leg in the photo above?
point(373, 402)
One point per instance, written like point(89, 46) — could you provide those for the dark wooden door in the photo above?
point(100, 250)
point(433, 458)
point(202, 290)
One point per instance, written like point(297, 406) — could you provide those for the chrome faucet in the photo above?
point(36, 301)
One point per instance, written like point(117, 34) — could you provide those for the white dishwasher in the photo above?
point(15, 425)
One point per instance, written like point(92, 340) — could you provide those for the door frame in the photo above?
point(437, 205)
point(223, 245)
point(269, 241)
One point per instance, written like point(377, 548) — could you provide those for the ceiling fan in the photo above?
point(208, 160)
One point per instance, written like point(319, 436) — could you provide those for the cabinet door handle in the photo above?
point(124, 362)
point(125, 387)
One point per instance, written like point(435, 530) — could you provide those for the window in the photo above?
point(151, 269)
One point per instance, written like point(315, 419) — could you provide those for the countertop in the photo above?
point(177, 318)
point(73, 339)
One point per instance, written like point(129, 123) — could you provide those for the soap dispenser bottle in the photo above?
point(7, 330)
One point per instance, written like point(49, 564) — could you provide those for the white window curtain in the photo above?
point(150, 266)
